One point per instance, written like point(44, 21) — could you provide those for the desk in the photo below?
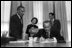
point(26, 44)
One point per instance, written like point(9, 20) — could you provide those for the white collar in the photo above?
point(53, 20)
point(18, 16)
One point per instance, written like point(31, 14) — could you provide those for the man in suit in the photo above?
point(45, 32)
point(16, 23)
point(55, 28)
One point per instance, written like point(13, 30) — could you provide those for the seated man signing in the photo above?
point(45, 32)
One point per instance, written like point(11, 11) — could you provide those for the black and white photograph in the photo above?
point(35, 23)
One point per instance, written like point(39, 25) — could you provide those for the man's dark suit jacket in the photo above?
point(55, 31)
point(55, 28)
point(16, 27)
point(41, 33)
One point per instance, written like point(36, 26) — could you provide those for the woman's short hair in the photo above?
point(33, 19)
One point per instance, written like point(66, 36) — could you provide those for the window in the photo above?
point(68, 12)
point(5, 15)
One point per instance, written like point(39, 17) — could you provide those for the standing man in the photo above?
point(55, 28)
point(16, 23)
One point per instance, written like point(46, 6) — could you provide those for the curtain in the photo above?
point(38, 12)
point(68, 13)
point(5, 16)
point(2, 10)
point(47, 8)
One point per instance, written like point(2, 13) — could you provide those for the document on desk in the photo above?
point(19, 41)
point(49, 41)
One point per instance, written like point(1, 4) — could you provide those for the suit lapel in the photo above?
point(18, 19)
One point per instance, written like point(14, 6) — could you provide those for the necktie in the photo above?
point(48, 34)
point(21, 20)
point(51, 23)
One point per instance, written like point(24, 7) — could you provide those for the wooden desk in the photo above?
point(26, 44)
point(6, 40)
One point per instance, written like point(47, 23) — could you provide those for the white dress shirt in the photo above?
point(19, 17)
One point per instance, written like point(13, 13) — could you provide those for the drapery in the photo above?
point(47, 8)
point(68, 13)
point(5, 16)
point(38, 12)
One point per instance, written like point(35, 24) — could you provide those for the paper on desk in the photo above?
point(20, 41)
point(48, 41)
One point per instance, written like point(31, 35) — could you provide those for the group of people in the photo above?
point(51, 28)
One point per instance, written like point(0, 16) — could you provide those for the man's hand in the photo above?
point(42, 39)
point(51, 39)
point(33, 30)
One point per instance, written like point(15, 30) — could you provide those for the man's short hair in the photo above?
point(47, 21)
point(20, 7)
point(52, 14)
